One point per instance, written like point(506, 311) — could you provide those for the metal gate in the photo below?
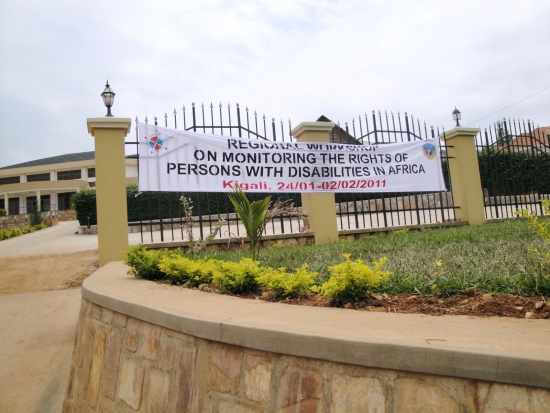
point(160, 217)
point(514, 165)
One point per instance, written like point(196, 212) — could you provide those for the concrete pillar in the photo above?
point(38, 206)
point(112, 215)
point(320, 207)
point(7, 203)
point(464, 171)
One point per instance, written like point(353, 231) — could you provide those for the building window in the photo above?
point(13, 204)
point(65, 200)
point(44, 202)
point(2, 205)
point(91, 172)
point(68, 175)
point(31, 204)
point(38, 177)
point(10, 180)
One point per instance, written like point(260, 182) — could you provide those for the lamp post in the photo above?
point(456, 116)
point(108, 98)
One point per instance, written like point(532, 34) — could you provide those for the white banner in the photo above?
point(173, 160)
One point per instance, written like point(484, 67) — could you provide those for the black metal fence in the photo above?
point(160, 217)
point(381, 210)
point(514, 164)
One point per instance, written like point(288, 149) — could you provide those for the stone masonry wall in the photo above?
point(124, 365)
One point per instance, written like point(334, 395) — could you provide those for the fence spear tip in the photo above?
point(237, 105)
point(175, 113)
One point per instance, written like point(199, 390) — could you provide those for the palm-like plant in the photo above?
point(254, 216)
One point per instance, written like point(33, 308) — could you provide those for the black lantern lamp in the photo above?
point(456, 116)
point(108, 98)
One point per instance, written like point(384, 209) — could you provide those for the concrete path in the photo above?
point(37, 337)
point(37, 330)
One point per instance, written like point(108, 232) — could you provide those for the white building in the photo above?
point(50, 183)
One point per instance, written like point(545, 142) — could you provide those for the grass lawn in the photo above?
point(490, 258)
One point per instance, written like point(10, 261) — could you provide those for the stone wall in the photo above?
point(24, 220)
point(122, 364)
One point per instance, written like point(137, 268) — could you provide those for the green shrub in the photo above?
point(39, 227)
point(283, 284)
point(352, 281)
point(15, 232)
point(182, 270)
point(144, 263)
point(2, 212)
point(26, 230)
point(85, 206)
point(3, 234)
point(36, 217)
point(236, 277)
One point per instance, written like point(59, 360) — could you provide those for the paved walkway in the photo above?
point(37, 335)
point(37, 329)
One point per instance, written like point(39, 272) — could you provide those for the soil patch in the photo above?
point(46, 272)
point(475, 304)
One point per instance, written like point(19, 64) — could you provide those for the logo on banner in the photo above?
point(428, 149)
point(156, 143)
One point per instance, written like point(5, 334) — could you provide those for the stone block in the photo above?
point(96, 312)
point(167, 353)
point(158, 392)
point(224, 368)
point(257, 378)
point(185, 375)
point(413, 395)
point(132, 334)
point(227, 406)
point(540, 399)
point(300, 391)
point(506, 399)
point(120, 319)
point(107, 316)
point(110, 368)
point(357, 395)
point(150, 341)
point(96, 368)
point(130, 383)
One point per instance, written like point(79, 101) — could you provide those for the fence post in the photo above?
point(320, 207)
point(465, 178)
point(112, 214)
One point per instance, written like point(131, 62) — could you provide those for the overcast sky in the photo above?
point(287, 59)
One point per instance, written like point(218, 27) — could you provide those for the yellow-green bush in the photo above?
point(236, 277)
point(182, 270)
point(352, 281)
point(284, 284)
point(144, 263)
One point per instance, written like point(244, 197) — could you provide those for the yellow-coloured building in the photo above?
point(50, 183)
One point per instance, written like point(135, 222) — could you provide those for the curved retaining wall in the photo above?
point(149, 347)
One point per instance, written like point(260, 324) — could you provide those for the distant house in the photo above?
point(538, 140)
point(338, 134)
point(50, 183)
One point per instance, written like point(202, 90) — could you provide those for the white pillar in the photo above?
point(38, 206)
point(7, 203)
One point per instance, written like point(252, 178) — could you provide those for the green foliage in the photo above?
point(540, 282)
point(186, 271)
point(253, 215)
point(2, 212)
point(38, 227)
point(352, 281)
point(14, 232)
point(144, 263)
point(236, 277)
point(36, 217)
point(3, 234)
point(509, 173)
point(85, 206)
point(281, 283)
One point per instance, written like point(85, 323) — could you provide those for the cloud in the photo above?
point(287, 59)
